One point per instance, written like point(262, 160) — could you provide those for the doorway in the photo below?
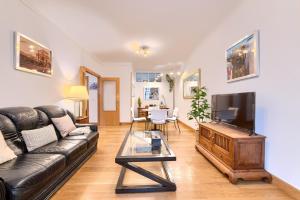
point(109, 101)
point(90, 107)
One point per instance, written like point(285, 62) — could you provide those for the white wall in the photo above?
point(25, 89)
point(122, 71)
point(277, 87)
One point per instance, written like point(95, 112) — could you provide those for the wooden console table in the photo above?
point(233, 152)
point(142, 112)
point(82, 120)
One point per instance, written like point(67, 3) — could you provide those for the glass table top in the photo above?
point(139, 143)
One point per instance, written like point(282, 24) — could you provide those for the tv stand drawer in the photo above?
point(224, 157)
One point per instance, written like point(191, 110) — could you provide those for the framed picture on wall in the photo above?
point(31, 56)
point(151, 93)
point(243, 58)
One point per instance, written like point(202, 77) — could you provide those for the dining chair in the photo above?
point(174, 118)
point(136, 119)
point(149, 111)
point(159, 120)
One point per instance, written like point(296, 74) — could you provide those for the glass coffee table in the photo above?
point(137, 147)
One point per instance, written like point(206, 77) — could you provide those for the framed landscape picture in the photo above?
point(243, 58)
point(151, 93)
point(31, 56)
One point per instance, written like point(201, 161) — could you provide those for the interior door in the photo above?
point(109, 101)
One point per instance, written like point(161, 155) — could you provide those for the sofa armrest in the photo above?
point(2, 190)
point(93, 127)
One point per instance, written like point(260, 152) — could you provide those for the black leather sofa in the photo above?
point(39, 174)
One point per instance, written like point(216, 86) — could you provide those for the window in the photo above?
point(148, 77)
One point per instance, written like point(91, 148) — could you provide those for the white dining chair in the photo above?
point(159, 120)
point(136, 119)
point(174, 119)
point(149, 111)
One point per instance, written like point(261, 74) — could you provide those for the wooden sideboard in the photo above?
point(142, 112)
point(233, 152)
point(82, 120)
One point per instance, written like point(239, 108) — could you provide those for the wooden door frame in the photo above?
point(117, 79)
point(82, 71)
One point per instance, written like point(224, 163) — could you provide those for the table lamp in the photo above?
point(78, 93)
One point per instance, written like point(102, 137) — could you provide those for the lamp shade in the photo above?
point(78, 92)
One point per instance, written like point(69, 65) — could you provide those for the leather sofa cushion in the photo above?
point(29, 173)
point(11, 135)
point(24, 118)
point(2, 189)
point(71, 149)
point(52, 111)
point(43, 119)
point(91, 138)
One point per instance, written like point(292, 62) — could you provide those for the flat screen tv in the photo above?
point(235, 109)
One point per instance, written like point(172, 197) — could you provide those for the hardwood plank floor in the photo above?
point(195, 177)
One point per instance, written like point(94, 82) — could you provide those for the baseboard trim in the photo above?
point(186, 126)
point(287, 188)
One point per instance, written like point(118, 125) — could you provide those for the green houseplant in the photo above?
point(200, 106)
point(171, 81)
point(139, 101)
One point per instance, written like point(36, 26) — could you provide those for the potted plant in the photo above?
point(139, 102)
point(200, 106)
point(171, 81)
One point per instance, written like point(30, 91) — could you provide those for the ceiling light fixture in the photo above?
point(143, 51)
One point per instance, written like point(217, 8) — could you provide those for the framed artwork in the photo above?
point(243, 58)
point(31, 56)
point(190, 84)
point(151, 93)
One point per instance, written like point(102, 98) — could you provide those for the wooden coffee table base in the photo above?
point(164, 184)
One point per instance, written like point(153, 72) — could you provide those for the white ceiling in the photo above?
point(107, 28)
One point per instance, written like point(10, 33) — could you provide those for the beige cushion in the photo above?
point(6, 153)
point(64, 125)
point(81, 131)
point(39, 137)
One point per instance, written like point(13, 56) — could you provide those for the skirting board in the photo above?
point(186, 126)
point(287, 188)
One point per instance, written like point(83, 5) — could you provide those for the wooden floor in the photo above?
point(195, 177)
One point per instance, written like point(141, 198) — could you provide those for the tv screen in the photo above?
point(235, 109)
